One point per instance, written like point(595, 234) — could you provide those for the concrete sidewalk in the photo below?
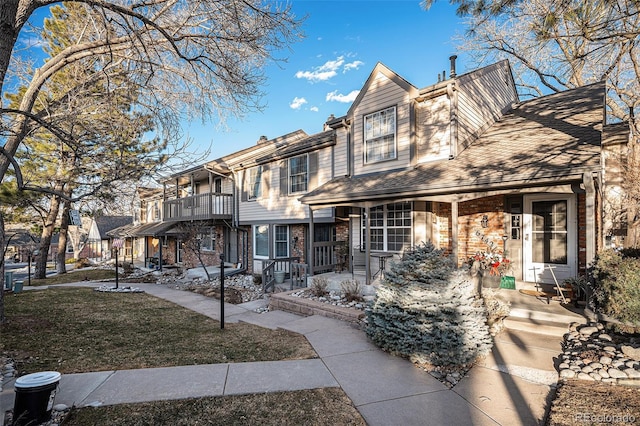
point(512, 386)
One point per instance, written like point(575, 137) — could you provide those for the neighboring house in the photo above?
point(462, 163)
point(98, 244)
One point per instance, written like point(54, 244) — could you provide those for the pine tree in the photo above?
point(93, 139)
point(426, 310)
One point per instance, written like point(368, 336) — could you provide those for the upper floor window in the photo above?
point(298, 174)
point(255, 182)
point(156, 210)
point(380, 135)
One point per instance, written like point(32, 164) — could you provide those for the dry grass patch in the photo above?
point(327, 406)
point(580, 403)
point(73, 330)
point(76, 276)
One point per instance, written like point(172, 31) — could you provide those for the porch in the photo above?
point(199, 207)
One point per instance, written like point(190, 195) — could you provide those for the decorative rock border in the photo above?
point(590, 353)
point(113, 289)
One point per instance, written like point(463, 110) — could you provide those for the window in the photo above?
point(298, 174)
point(207, 239)
point(390, 227)
point(550, 231)
point(380, 135)
point(255, 183)
point(281, 241)
point(261, 241)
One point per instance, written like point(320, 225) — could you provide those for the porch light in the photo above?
point(485, 221)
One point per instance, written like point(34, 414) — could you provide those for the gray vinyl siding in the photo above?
point(483, 97)
point(276, 206)
point(203, 187)
point(433, 129)
point(383, 94)
point(340, 155)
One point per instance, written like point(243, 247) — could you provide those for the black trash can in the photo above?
point(34, 397)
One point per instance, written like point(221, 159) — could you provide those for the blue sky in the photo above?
point(344, 41)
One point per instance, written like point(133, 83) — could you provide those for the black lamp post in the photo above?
point(222, 291)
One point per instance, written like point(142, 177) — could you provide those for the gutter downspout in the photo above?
point(590, 220)
point(452, 94)
point(235, 219)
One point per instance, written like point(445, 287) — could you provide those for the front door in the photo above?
point(550, 238)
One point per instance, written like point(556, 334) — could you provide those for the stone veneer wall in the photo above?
point(471, 236)
point(298, 305)
point(470, 214)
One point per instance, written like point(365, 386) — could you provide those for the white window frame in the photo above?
point(382, 226)
point(261, 228)
point(207, 235)
point(254, 184)
point(380, 135)
point(156, 210)
point(279, 239)
point(291, 175)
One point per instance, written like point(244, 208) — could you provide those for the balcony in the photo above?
point(199, 207)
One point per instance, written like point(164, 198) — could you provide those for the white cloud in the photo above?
point(336, 97)
point(316, 75)
point(329, 70)
point(314, 109)
point(352, 66)
point(297, 103)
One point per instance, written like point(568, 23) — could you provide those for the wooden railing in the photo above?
point(284, 264)
point(199, 207)
point(326, 257)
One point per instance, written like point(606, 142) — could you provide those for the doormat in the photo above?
point(536, 293)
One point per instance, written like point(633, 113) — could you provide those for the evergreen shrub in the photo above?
point(616, 285)
point(426, 310)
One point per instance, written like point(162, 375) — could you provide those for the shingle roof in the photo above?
point(108, 223)
point(551, 139)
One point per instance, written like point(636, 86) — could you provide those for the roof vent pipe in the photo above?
point(452, 73)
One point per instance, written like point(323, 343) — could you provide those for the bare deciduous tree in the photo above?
point(562, 44)
point(197, 59)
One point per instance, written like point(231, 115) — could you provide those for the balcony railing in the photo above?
point(199, 207)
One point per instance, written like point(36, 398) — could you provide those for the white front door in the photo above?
point(550, 237)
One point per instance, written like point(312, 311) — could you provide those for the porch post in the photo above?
point(367, 246)
point(311, 253)
point(210, 206)
point(454, 231)
point(193, 193)
point(590, 211)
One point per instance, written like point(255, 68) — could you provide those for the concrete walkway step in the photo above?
point(551, 328)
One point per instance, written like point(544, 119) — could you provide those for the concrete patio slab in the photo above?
point(531, 353)
point(276, 376)
point(431, 409)
point(272, 319)
point(155, 384)
point(507, 399)
point(74, 388)
point(305, 325)
point(374, 376)
point(338, 341)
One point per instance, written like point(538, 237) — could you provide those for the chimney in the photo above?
point(452, 73)
point(262, 139)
